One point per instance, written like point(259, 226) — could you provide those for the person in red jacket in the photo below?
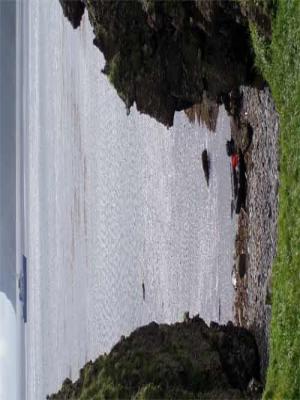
point(234, 160)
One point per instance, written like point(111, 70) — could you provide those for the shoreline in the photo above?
point(256, 237)
point(21, 198)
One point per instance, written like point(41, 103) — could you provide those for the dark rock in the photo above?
point(232, 102)
point(184, 360)
point(186, 317)
point(230, 147)
point(242, 265)
point(206, 165)
point(239, 356)
point(205, 113)
point(144, 291)
point(165, 55)
point(73, 10)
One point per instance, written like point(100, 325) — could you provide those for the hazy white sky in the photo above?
point(8, 328)
point(8, 354)
point(8, 342)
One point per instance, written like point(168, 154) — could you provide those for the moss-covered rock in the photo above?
point(163, 55)
point(186, 360)
point(260, 13)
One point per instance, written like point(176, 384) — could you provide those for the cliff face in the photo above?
point(184, 360)
point(165, 55)
point(73, 10)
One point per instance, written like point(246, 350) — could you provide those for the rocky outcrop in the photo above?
point(205, 113)
point(73, 10)
point(184, 360)
point(206, 165)
point(165, 56)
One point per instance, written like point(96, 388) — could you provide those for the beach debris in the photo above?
point(233, 277)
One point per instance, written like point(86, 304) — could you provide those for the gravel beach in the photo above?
point(257, 225)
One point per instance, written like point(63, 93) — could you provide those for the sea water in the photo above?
point(111, 203)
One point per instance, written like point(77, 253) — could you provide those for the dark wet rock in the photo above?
point(184, 360)
point(232, 102)
point(206, 165)
point(165, 55)
point(242, 134)
point(144, 291)
point(269, 291)
point(230, 147)
point(242, 265)
point(205, 113)
point(73, 10)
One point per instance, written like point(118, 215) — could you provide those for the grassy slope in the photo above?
point(280, 64)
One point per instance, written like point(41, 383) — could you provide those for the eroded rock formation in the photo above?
point(184, 360)
point(164, 56)
point(73, 10)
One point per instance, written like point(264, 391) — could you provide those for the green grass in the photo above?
point(280, 64)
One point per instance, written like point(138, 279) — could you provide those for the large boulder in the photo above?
point(206, 165)
point(184, 360)
point(73, 10)
point(166, 55)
